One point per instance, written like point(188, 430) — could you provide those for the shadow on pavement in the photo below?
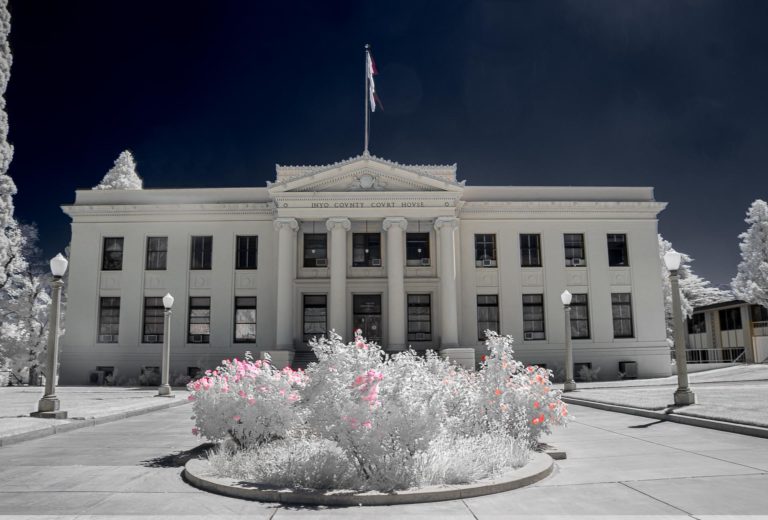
point(177, 460)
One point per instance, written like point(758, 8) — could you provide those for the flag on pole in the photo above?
point(372, 71)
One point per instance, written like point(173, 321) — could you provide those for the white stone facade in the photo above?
point(408, 291)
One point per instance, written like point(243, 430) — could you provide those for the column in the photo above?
point(337, 299)
point(396, 318)
point(286, 265)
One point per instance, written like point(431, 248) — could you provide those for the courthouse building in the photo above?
point(404, 252)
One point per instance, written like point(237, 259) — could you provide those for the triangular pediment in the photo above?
point(365, 174)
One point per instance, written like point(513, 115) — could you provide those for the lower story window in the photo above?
point(199, 320)
point(487, 314)
point(579, 317)
point(622, 315)
point(315, 316)
point(154, 311)
point(109, 319)
point(245, 319)
point(419, 317)
point(533, 316)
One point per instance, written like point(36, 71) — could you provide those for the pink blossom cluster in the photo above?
point(368, 386)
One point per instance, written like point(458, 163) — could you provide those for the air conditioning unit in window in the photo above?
point(425, 261)
point(376, 262)
point(321, 262)
point(487, 263)
point(528, 335)
point(107, 338)
point(196, 338)
point(151, 338)
point(577, 261)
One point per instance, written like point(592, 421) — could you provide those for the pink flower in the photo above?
point(536, 404)
point(367, 424)
point(195, 431)
point(191, 398)
point(236, 417)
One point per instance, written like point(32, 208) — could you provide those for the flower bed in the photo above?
point(360, 419)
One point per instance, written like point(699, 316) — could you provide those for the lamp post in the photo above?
point(48, 406)
point(570, 384)
point(164, 390)
point(683, 395)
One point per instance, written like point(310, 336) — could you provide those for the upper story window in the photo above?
point(485, 250)
point(201, 252)
point(574, 249)
point(366, 250)
point(759, 313)
point(530, 250)
point(417, 249)
point(112, 259)
point(315, 250)
point(617, 250)
point(730, 319)
point(247, 252)
point(157, 253)
point(697, 324)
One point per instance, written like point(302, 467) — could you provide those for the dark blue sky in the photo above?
point(671, 94)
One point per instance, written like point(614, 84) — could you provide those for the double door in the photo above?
point(366, 316)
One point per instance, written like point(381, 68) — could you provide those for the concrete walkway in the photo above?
point(617, 465)
point(85, 406)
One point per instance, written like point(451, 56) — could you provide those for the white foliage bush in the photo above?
point(363, 419)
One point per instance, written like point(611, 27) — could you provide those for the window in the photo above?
point(245, 319)
point(579, 317)
point(622, 315)
point(533, 316)
point(157, 253)
point(201, 253)
point(199, 320)
point(530, 250)
point(419, 317)
point(574, 249)
point(485, 250)
point(697, 324)
point(417, 249)
point(759, 313)
point(315, 316)
point(247, 252)
point(617, 250)
point(112, 259)
point(730, 319)
point(109, 319)
point(154, 311)
point(487, 314)
point(315, 250)
point(366, 250)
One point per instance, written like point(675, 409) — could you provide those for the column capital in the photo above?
point(400, 222)
point(446, 222)
point(338, 222)
point(286, 223)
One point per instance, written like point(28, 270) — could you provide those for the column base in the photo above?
point(684, 397)
point(164, 391)
point(462, 356)
point(569, 386)
point(279, 358)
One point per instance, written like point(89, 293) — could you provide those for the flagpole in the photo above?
point(367, 123)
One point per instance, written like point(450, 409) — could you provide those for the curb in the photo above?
point(196, 473)
point(77, 424)
point(671, 416)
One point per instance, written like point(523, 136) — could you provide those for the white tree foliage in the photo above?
point(695, 291)
point(122, 176)
point(751, 281)
point(8, 228)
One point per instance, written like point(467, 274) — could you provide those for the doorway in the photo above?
point(366, 309)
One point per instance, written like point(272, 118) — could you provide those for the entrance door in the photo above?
point(366, 310)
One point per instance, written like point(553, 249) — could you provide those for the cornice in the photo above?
point(259, 208)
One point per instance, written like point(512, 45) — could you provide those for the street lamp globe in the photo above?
point(566, 297)
point(59, 265)
point(168, 301)
point(672, 260)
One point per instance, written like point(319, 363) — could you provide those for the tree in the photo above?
point(694, 290)
point(24, 311)
point(8, 230)
point(751, 282)
point(122, 176)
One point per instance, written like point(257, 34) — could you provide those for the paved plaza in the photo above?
point(617, 465)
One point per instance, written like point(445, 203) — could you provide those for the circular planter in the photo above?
point(197, 472)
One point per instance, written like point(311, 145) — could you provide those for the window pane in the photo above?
point(247, 252)
point(617, 250)
point(199, 319)
point(366, 249)
point(112, 259)
point(315, 316)
point(154, 320)
point(485, 250)
point(419, 317)
point(109, 319)
point(574, 249)
point(530, 250)
point(315, 250)
point(201, 252)
point(417, 249)
point(487, 314)
point(533, 316)
point(622, 315)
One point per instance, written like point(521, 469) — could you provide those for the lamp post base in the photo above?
point(164, 391)
point(48, 408)
point(684, 397)
point(569, 386)
point(58, 414)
